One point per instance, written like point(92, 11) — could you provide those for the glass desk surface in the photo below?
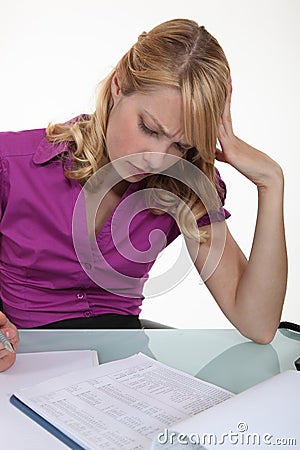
point(222, 357)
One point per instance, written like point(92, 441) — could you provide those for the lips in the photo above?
point(137, 171)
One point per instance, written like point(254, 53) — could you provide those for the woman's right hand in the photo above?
point(10, 331)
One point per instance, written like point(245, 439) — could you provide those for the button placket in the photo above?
point(81, 295)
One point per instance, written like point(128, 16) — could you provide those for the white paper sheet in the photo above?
point(263, 417)
point(120, 405)
point(17, 430)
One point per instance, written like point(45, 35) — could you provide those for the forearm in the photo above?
point(261, 289)
point(253, 298)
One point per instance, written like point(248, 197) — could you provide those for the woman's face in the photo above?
point(143, 129)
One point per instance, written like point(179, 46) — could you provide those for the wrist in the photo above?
point(272, 180)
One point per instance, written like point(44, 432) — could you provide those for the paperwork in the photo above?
point(118, 405)
point(138, 403)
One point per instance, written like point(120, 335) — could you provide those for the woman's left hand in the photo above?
point(252, 163)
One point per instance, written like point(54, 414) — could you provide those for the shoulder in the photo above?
point(18, 143)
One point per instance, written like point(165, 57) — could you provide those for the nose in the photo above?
point(154, 160)
point(157, 158)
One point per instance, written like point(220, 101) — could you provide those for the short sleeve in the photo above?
point(222, 213)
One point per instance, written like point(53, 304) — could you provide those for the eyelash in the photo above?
point(147, 130)
point(150, 132)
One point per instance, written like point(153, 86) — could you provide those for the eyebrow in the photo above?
point(163, 130)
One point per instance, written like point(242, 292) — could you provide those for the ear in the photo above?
point(115, 88)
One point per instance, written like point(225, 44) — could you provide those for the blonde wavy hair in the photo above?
point(178, 53)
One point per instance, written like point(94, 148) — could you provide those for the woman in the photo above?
point(163, 107)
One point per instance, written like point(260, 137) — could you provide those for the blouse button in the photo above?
point(80, 295)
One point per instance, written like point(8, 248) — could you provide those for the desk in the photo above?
point(222, 357)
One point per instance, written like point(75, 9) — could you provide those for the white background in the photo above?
point(55, 52)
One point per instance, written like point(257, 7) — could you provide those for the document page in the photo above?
point(120, 405)
point(264, 416)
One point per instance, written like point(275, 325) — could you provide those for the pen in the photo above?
point(6, 343)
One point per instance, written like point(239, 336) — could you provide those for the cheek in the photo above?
point(115, 138)
point(124, 140)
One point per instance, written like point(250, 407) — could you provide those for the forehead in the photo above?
point(165, 105)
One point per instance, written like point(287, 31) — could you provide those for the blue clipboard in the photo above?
point(44, 423)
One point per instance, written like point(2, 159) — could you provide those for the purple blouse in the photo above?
point(41, 278)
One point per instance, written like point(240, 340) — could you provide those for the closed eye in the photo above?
point(181, 148)
point(147, 130)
